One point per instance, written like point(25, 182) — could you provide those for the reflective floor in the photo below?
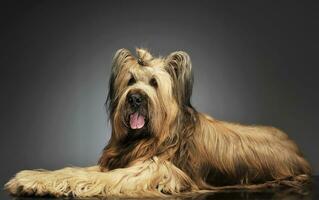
point(311, 193)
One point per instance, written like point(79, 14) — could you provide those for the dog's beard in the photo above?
point(136, 122)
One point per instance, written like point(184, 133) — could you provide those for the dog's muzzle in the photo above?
point(136, 119)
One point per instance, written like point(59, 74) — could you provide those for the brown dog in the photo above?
point(160, 145)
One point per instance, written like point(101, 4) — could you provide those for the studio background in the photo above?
point(254, 63)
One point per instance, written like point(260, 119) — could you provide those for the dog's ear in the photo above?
point(178, 65)
point(121, 57)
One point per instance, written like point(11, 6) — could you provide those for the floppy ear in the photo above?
point(121, 57)
point(179, 66)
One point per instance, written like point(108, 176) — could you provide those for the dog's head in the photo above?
point(146, 94)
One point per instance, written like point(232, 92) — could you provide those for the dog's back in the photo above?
point(240, 154)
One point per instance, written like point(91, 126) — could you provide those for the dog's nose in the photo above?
point(135, 100)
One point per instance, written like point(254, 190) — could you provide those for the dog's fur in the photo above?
point(177, 149)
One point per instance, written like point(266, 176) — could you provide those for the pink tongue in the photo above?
point(136, 121)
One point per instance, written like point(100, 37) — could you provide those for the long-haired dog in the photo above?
point(160, 145)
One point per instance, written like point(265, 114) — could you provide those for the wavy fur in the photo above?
point(179, 150)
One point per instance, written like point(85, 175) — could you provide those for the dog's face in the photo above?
point(146, 93)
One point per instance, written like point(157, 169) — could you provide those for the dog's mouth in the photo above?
point(137, 121)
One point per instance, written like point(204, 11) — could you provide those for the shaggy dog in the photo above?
point(160, 145)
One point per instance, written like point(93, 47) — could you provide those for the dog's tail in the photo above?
point(297, 183)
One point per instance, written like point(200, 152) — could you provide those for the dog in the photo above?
point(161, 145)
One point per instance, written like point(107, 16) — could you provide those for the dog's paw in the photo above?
point(13, 187)
point(26, 183)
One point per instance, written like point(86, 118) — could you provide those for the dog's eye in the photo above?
point(131, 81)
point(153, 82)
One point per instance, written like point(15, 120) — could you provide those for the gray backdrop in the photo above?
point(254, 63)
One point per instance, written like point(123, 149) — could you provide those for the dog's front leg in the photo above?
point(43, 182)
point(153, 177)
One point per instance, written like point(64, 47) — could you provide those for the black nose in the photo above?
point(135, 100)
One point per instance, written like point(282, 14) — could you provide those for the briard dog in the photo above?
point(160, 145)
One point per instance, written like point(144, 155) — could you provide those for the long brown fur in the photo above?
point(179, 150)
